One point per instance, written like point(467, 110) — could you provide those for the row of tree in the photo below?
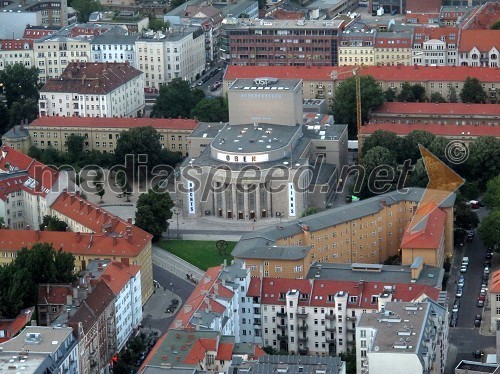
point(178, 100)
point(489, 230)
point(19, 280)
point(373, 97)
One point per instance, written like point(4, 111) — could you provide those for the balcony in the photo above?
point(331, 328)
point(303, 327)
point(303, 339)
point(330, 340)
point(282, 337)
point(303, 351)
point(352, 318)
point(330, 317)
point(281, 314)
point(281, 325)
point(302, 315)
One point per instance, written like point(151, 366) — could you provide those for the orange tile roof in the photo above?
point(436, 129)
point(199, 350)
point(440, 109)
point(380, 73)
point(53, 293)
point(15, 44)
point(100, 221)
point(122, 123)
point(117, 275)
point(420, 33)
point(483, 40)
point(34, 32)
point(225, 351)
point(495, 282)
point(423, 5)
point(10, 185)
point(92, 78)
point(21, 320)
point(431, 234)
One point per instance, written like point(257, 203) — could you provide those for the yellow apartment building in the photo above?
point(367, 231)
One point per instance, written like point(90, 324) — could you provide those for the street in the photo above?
point(465, 337)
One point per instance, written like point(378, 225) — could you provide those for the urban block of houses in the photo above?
point(322, 81)
point(94, 90)
point(11, 327)
point(403, 337)
point(368, 231)
point(290, 364)
point(99, 134)
point(39, 350)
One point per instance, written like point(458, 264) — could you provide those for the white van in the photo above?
point(465, 261)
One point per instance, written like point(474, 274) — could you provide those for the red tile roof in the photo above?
point(440, 109)
point(102, 222)
point(483, 40)
point(420, 33)
point(495, 282)
point(199, 350)
point(54, 293)
point(34, 32)
point(422, 18)
point(483, 18)
point(122, 123)
point(423, 5)
point(436, 129)
point(95, 78)
point(319, 291)
point(396, 41)
point(431, 234)
point(117, 275)
point(380, 73)
point(11, 327)
point(10, 185)
point(225, 351)
point(12, 160)
point(78, 30)
point(15, 44)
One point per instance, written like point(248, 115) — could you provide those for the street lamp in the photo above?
point(177, 211)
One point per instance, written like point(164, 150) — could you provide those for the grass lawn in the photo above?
point(200, 253)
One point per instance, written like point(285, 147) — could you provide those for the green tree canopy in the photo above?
point(26, 109)
point(491, 197)
point(412, 93)
point(375, 158)
point(496, 25)
point(156, 24)
point(452, 95)
point(19, 280)
point(410, 144)
point(489, 230)
point(154, 211)
point(436, 97)
point(211, 110)
point(52, 223)
point(143, 143)
point(387, 140)
point(473, 91)
point(465, 218)
point(390, 94)
point(19, 83)
point(84, 8)
point(74, 144)
point(483, 161)
point(176, 99)
point(344, 106)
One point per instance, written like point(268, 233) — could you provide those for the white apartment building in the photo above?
point(435, 46)
point(28, 188)
point(94, 90)
point(479, 48)
point(115, 45)
point(178, 54)
point(53, 54)
point(125, 282)
point(403, 338)
point(16, 52)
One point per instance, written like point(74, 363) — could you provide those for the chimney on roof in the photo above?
point(115, 241)
point(37, 235)
point(77, 193)
point(72, 199)
point(99, 266)
point(129, 220)
point(78, 237)
point(28, 227)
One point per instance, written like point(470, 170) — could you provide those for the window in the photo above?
point(363, 333)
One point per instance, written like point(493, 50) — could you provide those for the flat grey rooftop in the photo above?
point(49, 340)
point(324, 132)
point(286, 24)
point(254, 138)
point(477, 367)
point(207, 130)
point(117, 35)
point(430, 275)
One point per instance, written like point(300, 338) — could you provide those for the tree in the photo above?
point(74, 144)
point(154, 211)
point(35, 152)
point(496, 25)
point(438, 148)
point(436, 97)
point(309, 211)
point(19, 83)
point(387, 140)
point(491, 197)
point(418, 92)
point(483, 161)
point(344, 106)
point(26, 109)
point(406, 93)
point(156, 24)
point(350, 360)
point(4, 118)
point(84, 8)
point(141, 142)
point(452, 95)
point(465, 218)
point(2, 222)
point(473, 92)
point(418, 177)
point(52, 223)
point(489, 230)
point(176, 99)
point(99, 184)
point(410, 144)
point(375, 157)
point(390, 94)
point(211, 110)
point(176, 3)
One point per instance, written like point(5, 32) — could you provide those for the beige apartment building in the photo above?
point(393, 48)
point(101, 134)
point(99, 89)
point(53, 54)
point(178, 54)
point(357, 48)
point(16, 52)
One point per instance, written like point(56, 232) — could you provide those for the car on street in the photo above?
point(477, 320)
point(456, 306)
point(482, 297)
point(480, 303)
point(489, 255)
point(484, 285)
point(461, 281)
point(453, 320)
point(470, 237)
point(199, 83)
point(477, 353)
point(463, 269)
point(459, 292)
point(486, 270)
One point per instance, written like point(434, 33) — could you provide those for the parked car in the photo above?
point(470, 237)
point(456, 306)
point(470, 232)
point(489, 255)
point(459, 292)
point(477, 320)
point(482, 297)
point(486, 270)
point(463, 269)
point(480, 303)
point(461, 281)
point(477, 353)
point(453, 321)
